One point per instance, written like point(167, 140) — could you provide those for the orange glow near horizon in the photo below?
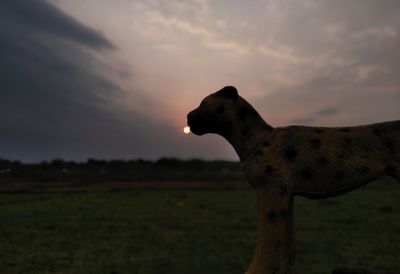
point(186, 130)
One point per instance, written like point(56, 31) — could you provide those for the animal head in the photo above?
point(215, 113)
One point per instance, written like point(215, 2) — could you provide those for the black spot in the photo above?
point(272, 215)
point(347, 141)
point(390, 145)
point(242, 113)
point(220, 109)
point(322, 161)
point(283, 190)
point(290, 153)
point(318, 130)
point(269, 169)
point(262, 183)
point(245, 131)
point(307, 173)
point(316, 143)
point(278, 244)
point(365, 170)
point(258, 153)
point(276, 269)
point(266, 144)
point(387, 209)
point(338, 175)
point(377, 131)
point(275, 216)
point(389, 169)
point(344, 129)
point(341, 156)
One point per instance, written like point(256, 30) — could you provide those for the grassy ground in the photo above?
point(189, 231)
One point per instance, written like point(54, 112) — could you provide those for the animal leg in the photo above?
point(275, 247)
point(395, 173)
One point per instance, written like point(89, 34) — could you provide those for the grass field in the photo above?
point(189, 230)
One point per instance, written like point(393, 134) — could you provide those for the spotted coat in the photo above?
point(315, 162)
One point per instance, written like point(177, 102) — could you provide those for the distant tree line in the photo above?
point(94, 170)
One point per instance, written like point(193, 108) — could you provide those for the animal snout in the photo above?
point(191, 117)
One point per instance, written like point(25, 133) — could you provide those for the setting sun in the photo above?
point(186, 130)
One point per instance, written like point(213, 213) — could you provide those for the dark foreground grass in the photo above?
point(189, 231)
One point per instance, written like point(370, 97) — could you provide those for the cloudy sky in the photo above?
point(115, 79)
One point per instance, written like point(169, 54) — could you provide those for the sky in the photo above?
point(115, 79)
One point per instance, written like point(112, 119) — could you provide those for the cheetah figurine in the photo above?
point(279, 163)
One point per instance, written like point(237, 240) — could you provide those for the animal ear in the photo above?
point(229, 91)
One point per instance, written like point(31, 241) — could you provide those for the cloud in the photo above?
point(45, 19)
point(327, 111)
point(50, 88)
point(313, 117)
point(381, 33)
point(316, 62)
point(347, 59)
point(318, 59)
point(54, 100)
point(169, 21)
point(302, 121)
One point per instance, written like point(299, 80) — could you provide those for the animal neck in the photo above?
point(248, 131)
point(275, 247)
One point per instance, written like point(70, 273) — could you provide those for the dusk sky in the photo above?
point(115, 79)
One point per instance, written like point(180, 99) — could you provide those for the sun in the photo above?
point(186, 130)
